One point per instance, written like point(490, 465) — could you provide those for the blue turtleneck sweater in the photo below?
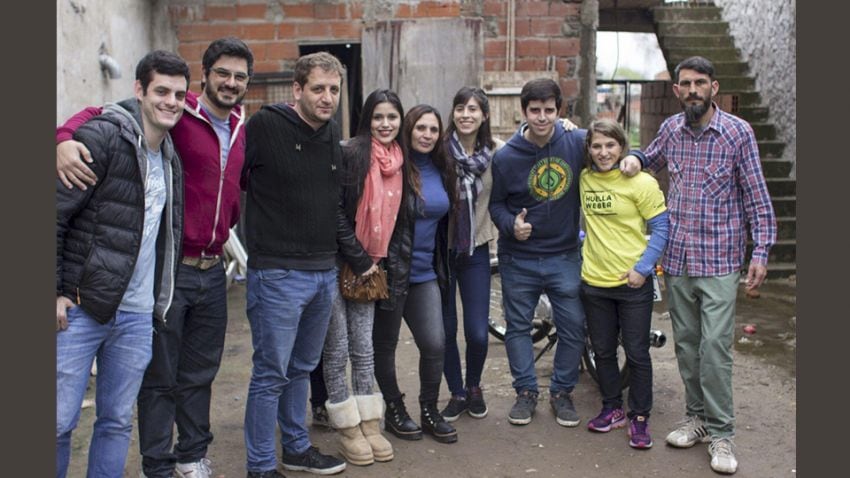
point(431, 207)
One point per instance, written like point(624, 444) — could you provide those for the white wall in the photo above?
point(124, 26)
point(766, 33)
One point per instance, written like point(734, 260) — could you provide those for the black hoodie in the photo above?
point(291, 176)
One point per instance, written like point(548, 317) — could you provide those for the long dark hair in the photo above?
point(357, 153)
point(484, 137)
point(438, 155)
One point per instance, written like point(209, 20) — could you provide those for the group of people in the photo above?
point(149, 188)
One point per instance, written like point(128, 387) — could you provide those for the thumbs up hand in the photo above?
point(522, 229)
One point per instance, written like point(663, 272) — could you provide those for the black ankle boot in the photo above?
point(399, 423)
point(435, 425)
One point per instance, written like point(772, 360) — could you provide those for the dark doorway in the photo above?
point(349, 55)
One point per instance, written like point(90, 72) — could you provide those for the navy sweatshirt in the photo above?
point(545, 182)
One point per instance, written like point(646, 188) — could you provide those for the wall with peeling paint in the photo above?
point(122, 26)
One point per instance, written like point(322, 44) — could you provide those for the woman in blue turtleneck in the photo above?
point(419, 240)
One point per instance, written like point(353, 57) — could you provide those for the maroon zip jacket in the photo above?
point(211, 205)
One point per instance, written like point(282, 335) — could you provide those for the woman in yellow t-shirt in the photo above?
point(615, 292)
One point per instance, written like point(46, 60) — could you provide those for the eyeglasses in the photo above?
point(225, 74)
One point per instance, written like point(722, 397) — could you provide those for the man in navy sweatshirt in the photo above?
point(535, 205)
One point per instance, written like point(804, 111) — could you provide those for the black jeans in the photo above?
point(422, 312)
point(177, 385)
point(612, 311)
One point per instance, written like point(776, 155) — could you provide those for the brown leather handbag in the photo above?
point(362, 289)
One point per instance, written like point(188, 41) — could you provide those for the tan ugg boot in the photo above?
point(345, 419)
point(371, 408)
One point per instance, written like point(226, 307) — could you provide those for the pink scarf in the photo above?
point(379, 204)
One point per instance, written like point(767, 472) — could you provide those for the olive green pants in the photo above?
point(702, 310)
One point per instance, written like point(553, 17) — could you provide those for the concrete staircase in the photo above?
point(690, 29)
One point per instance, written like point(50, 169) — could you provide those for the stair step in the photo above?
point(696, 41)
point(784, 206)
point(776, 167)
point(771, 149)
point(783, 251)
point(687, 13)
point(781, 270)
point(786, 228)
point(764, 131)
point(731, 68)
point(781, 186)
point(678, 27)
point(675, 55)
point(752, 114)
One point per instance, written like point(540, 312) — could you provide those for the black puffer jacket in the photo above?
point(99, 230)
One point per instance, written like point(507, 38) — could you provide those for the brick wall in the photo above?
point(273, 29)
point(543, 29)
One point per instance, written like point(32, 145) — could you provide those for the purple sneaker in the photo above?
point(639, 433)
point(608, 419)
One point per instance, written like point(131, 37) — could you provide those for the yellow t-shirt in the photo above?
point(616, 209)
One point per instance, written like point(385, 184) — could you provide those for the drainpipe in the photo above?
point(585, 108)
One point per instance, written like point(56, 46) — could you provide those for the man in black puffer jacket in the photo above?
point(117, 245)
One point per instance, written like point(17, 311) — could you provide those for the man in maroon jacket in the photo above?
point(188, 344)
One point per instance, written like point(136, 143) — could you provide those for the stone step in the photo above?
point(687, 13)
point(781, 270)
point(784, 250)
point(752, 114)
point(771, 149)
point(675, 55)
point(786, 228)
point(696, 41)
point(764, 131)
point(776, 167)
point(731, 68)
point(785, 206)
point(665, 28)
point(781, 186)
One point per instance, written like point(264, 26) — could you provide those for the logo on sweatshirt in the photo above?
point(549, 179)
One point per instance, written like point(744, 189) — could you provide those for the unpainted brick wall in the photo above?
point(544, 28)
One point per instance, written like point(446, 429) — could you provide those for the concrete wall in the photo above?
point(766, 33)
point(123, 26)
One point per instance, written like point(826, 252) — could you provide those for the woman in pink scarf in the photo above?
point(372, 180)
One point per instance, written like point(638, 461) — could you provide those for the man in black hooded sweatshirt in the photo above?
point(291, 175)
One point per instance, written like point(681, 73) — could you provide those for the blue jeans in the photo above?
point(177, 387)
point(123, 349)
point(472, 275)
point(289, 312)
point(523, 280)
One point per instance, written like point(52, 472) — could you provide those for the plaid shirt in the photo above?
point(716, 189)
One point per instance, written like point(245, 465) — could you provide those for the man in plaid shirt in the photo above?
point(716, 189)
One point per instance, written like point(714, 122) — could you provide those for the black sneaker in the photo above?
point(477, 407)
point(457, 405)
point(565, 411)
point(265, 474)
point(312, 461)
point(523, 409)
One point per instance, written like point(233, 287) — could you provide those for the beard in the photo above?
point(212, 96)
point(695, 112)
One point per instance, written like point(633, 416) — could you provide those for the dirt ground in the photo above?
point(765, 406)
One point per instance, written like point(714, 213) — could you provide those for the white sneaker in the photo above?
point(691, 430)
point(722, 455)
point(196, 469)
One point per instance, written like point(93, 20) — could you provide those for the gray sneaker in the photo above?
point(565, 411)
point(690, 431)
point(523, 408)
point(723, 455)
point(195, 469)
